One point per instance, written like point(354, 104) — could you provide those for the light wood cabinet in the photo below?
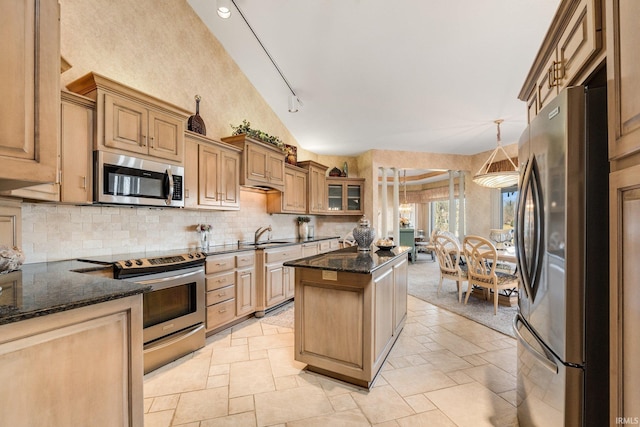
point(346, 323)
point(294, 197)
point(316, 186)
point(30, 91)
point(623, 77)
point(76, 367)
point(275, 281)
point(572, 49)
point(75, 181)
point(10, 223)
point(212, 173)
point(230, 289)
point(262, 163)
point(624, 294)
point(345, 196)
point(133, 122)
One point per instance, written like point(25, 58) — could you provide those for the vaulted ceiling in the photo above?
point(415, 75)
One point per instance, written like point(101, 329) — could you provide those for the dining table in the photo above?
point(507, 255)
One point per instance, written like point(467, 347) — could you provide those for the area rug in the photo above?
point(281, 316)
point(424, 276)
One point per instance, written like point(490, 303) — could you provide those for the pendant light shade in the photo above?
point(294, 103)
point(499, 174)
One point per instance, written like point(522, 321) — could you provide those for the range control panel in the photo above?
point(174, 260)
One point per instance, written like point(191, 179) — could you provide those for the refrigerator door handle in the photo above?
point(542, 358)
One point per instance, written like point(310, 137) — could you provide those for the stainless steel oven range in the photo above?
point(174, 308)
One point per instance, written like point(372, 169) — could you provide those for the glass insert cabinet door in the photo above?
point(345, 196)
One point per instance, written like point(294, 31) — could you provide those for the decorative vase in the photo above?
point(303, 230)
point(204, 240)
point(195, 123)
point(364, 234)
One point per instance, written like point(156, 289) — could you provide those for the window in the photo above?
point(508, 199)
point(440, 215)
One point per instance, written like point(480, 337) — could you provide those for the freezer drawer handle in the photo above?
point(541, 357)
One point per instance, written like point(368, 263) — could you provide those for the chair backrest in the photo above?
point(349, 240)
point(481, 258)
point(448, 234)
point(448, 253)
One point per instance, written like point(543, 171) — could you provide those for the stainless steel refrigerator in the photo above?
point(563, 257)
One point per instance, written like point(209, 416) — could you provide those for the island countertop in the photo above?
point(45, 288)
point(350, 260)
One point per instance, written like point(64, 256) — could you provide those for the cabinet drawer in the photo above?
point(220, 281)
point(325, 246)
point(245, 260)
point(284, 254)
point(218, 295)
point(216, 264)
point(221, 313)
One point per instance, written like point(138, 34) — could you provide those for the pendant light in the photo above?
point(405, 207)
point(492, 178)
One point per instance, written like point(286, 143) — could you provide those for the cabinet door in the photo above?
point(624, 292)
point(125, 124)
point(229, 179)
point(289, 277)
point(300, 191)
point(384, 313)
point(353, 198)
point(334, 197)
point(166, 136)
point(548, 83)
point(191, 173)
point(276, 169)
point(77, 121)
point(257, 161)
point(274, 284)
point(317, 190)
point(30, 90)
point(580, 41)
point(209, 176)
point(400, 284)
point(245, 291)
point(623, 84)
point(10, 225)
point(289, 196)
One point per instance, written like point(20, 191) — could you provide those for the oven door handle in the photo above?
point(170, 278)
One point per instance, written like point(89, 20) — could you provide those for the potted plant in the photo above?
point(204, 230)
point(245, 129)
point(303, 226)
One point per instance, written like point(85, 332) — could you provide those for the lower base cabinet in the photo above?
point(231, 288)
point(278, 280)
point(81, 367)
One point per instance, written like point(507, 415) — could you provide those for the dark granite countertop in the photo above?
point(46, 288)
point(350, 260)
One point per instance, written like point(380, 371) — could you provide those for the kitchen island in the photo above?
point(350, 307)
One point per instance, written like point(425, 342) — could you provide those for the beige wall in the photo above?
point(163, 49)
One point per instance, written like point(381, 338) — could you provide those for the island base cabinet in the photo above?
point(75, 368)
point(347, 323)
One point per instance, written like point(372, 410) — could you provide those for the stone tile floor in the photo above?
point(444, 370)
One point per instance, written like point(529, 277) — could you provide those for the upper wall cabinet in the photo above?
point(262, 163)
point(74, 183)
point(316, 186)
point(345, 196)
point(571, 50)
point(212, 174)
point(30, 92)
point(294, 197)
point(623, 77)
point(131, 121)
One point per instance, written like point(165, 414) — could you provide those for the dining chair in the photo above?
point(349, 240)
point(448, 254)
point(482, 258)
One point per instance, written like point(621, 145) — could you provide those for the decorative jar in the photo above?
point(364, 234)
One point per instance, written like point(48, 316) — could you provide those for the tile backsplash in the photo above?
point(57, 232)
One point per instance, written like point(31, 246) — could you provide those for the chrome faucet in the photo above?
point(259, 232)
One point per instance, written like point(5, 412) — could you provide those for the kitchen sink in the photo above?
point(265, 244)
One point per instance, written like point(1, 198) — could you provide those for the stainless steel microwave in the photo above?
point(127, 180)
